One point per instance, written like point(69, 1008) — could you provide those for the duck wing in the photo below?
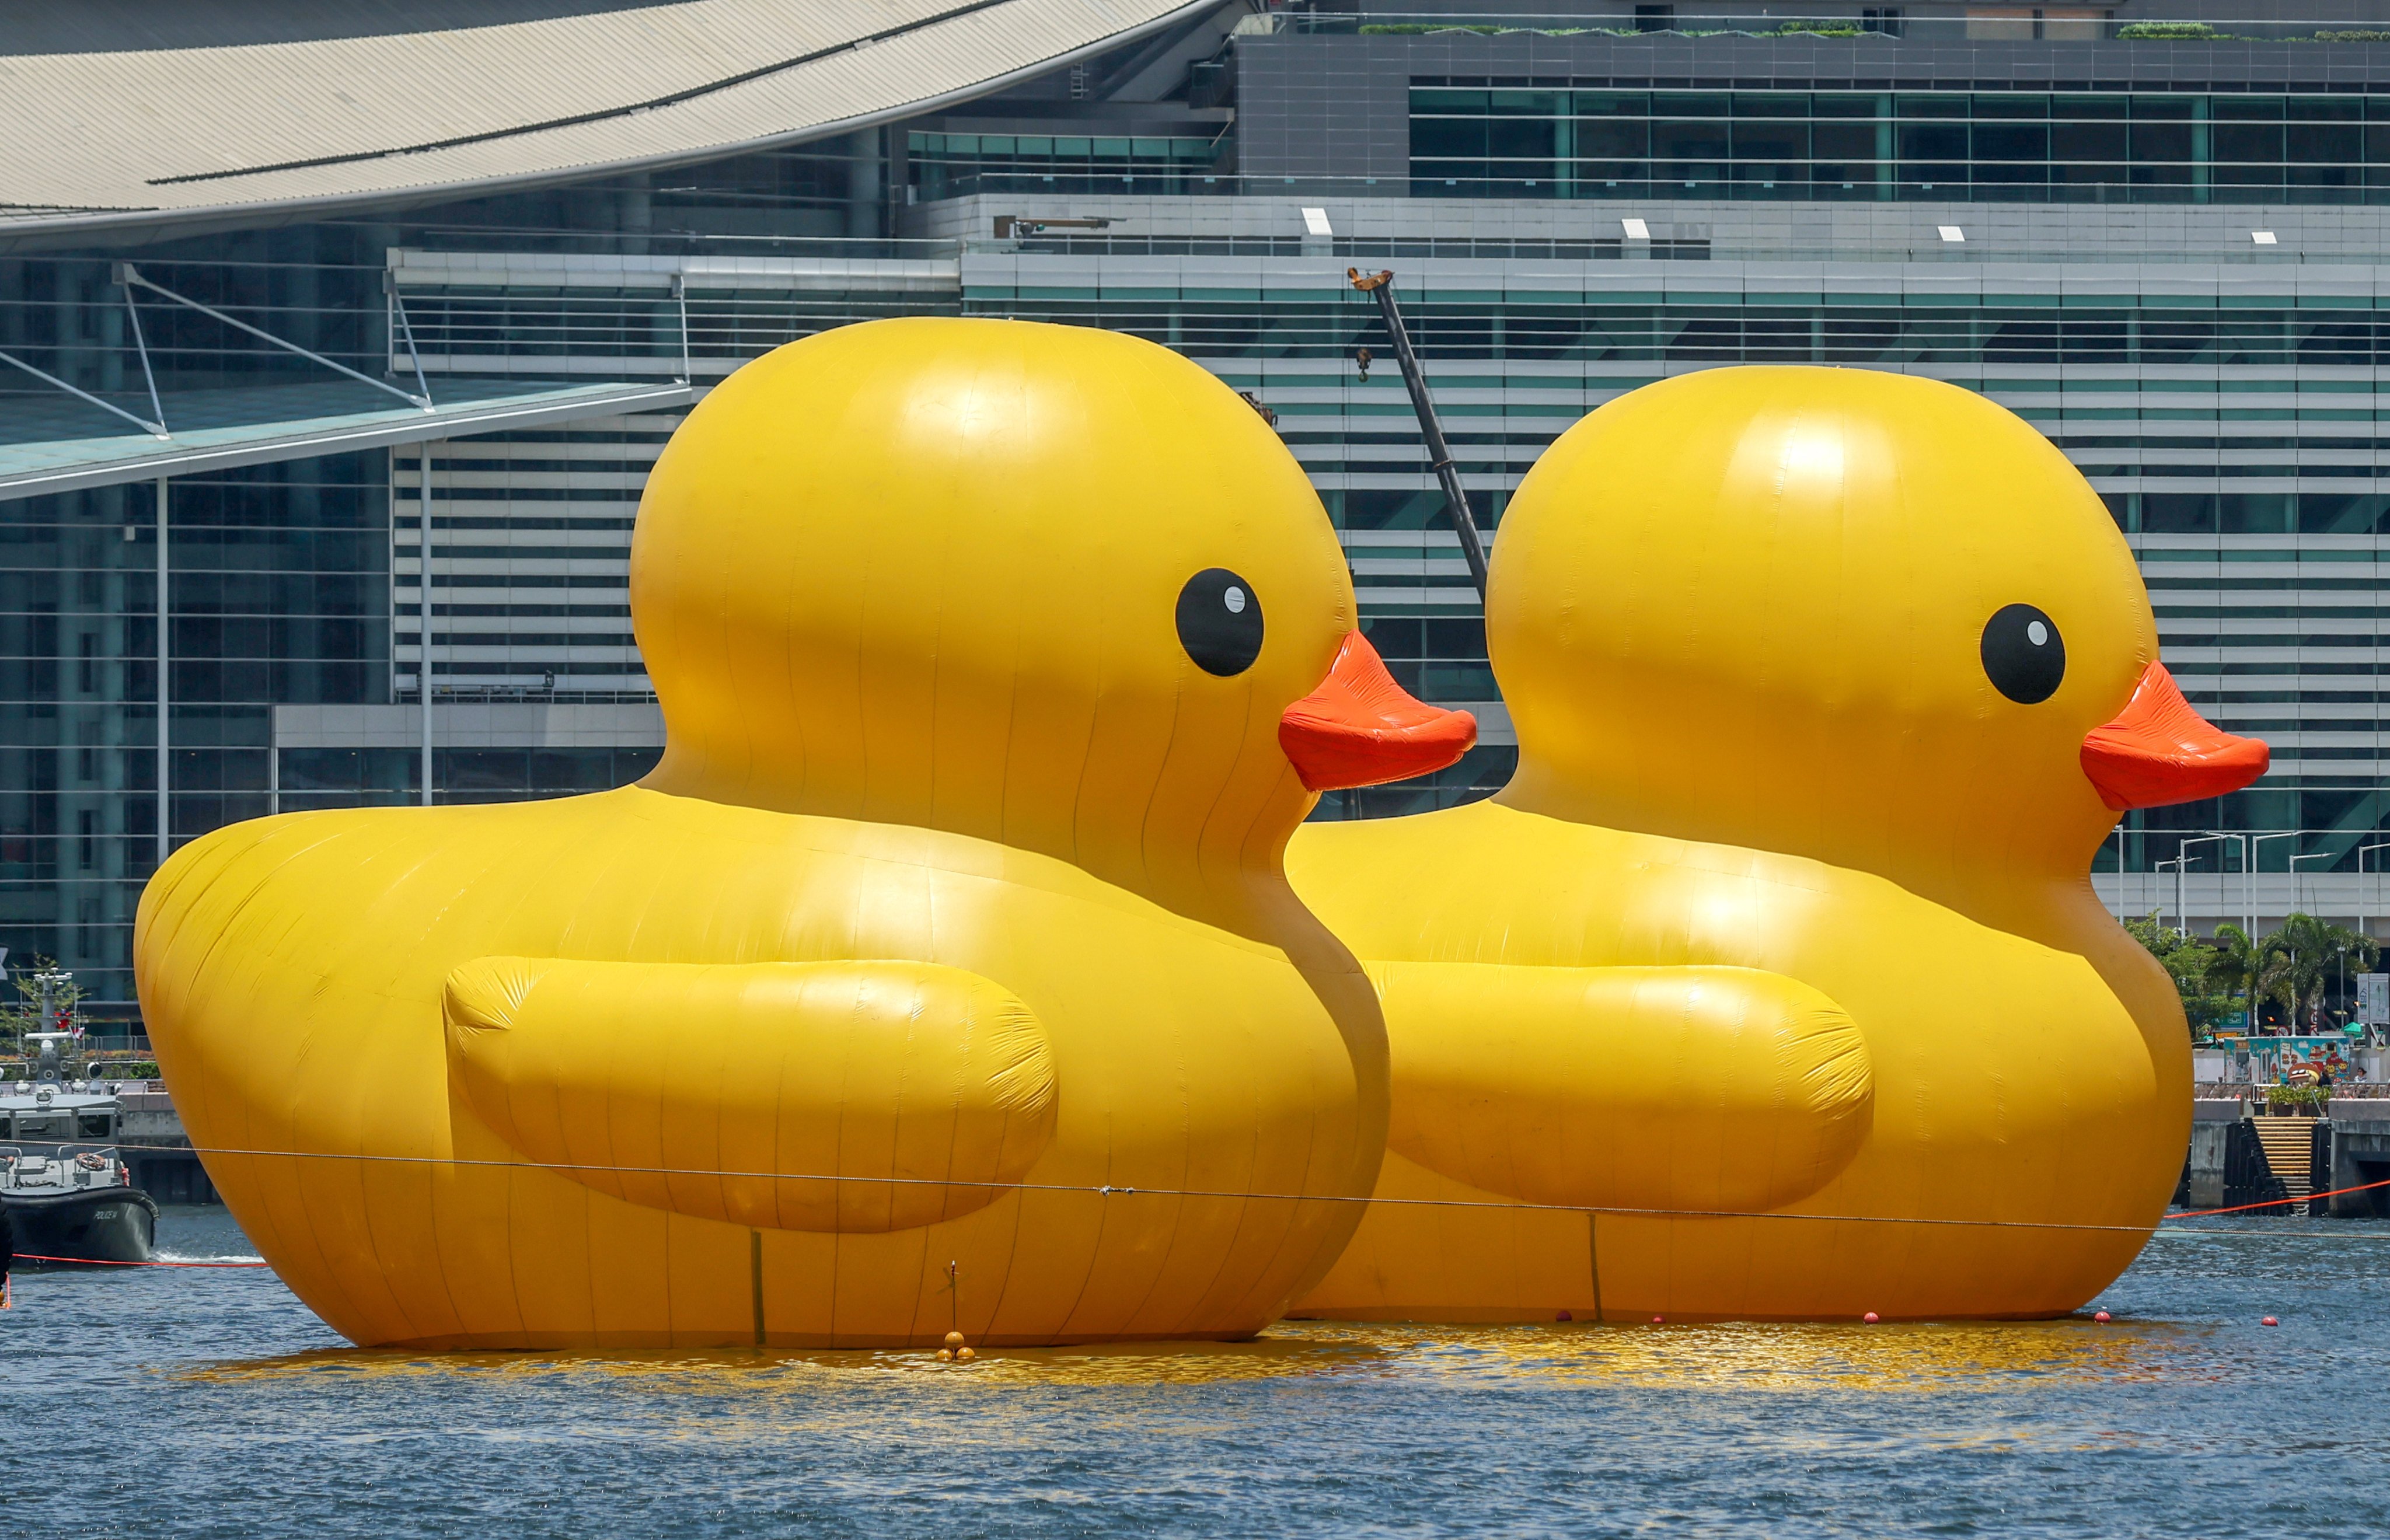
point(1705, 1089)
point(842, 1096)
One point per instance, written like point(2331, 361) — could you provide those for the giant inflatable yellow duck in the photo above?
point(943, 975)
point(1774, 984)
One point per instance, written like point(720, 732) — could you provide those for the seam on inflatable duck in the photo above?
point(1112, 1190)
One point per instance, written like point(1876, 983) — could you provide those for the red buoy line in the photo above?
point(99, 1262)
point(2277, 1202)
point(1110, 1190)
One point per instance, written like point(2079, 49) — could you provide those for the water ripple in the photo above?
point(232, 1411)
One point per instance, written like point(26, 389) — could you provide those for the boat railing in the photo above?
point(14, 1082)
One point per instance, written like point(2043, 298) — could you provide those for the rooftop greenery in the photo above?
point(2131, 32)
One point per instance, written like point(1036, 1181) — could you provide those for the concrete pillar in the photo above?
point(2360, 1153)
point(865, 199)
point(2211, 1128)
point(635, 214)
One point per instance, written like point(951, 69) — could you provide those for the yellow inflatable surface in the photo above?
point(997, 663)
point(1827, 685)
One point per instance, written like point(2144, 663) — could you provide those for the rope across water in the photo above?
point(1106, 1190)
point(102, 1262)
point(1109, 1190)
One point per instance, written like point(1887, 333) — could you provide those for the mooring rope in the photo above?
point(1110, 1190)
point(104, 1262)
point(2275, 1202)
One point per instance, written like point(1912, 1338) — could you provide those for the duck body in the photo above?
point(1238, 1079)
point(2042, 1099)
point(1774, 985)
point(942, 976)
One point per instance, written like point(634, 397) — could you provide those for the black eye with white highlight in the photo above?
point(2023, 656)
point(1220, 622)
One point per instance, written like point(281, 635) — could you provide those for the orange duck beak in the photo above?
point(2159, 750)
point(1360, 728)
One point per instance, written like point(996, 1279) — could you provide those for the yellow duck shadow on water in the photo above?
point(734, 1371)
point(1891, 1360)
point(997, 661)
point(1827, 686)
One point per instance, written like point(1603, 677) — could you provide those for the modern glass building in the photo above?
point(2153, 231)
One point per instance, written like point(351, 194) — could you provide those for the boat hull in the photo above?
point(93, 1227)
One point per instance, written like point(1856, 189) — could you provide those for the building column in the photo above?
point(864, 197)
point(165, 658)
point(423, 644)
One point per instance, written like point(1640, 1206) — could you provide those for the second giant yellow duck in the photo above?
point(1774, 985)
point(942, 978)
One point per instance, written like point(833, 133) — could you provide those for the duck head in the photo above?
point(1869, 618)
point(1051, 586)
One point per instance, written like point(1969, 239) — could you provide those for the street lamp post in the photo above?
point(2183, 847)
point(2360, 881)
point(2255, 840)
point(2176, 864)
point(2310, 855)
point(2248, 889)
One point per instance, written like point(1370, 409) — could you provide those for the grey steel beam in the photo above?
point(449, 423)
point(154, 429)
point(128, 275)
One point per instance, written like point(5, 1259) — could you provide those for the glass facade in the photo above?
point(2028, 146)
point(951, 165)
point(2231, 418)
point(318, 777)
point(1879, 330)
point(277, 593)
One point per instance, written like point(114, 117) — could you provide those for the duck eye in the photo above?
point(1220, 622)
point(2023, 656)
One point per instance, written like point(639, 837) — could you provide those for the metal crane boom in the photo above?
point(1456, 501)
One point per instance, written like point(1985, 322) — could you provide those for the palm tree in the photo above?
point(2239, 968)
point(2308, 953)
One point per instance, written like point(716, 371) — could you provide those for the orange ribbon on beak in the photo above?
point(2159, 750)
point(1360, 728)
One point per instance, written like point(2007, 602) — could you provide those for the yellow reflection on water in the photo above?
point(1754, 1356)
point(1879, 1358)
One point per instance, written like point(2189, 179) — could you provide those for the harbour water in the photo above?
point(211, 1402)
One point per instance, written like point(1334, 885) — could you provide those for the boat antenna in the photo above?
point(1381, 285)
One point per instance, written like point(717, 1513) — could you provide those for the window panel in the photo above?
point(2074, 147)
point(1691, 153)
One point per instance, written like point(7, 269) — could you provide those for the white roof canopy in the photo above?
point(127, 119)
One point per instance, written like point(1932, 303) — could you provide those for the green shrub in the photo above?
point(2164, 30)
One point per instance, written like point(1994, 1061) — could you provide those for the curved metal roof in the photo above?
point(128, 119)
